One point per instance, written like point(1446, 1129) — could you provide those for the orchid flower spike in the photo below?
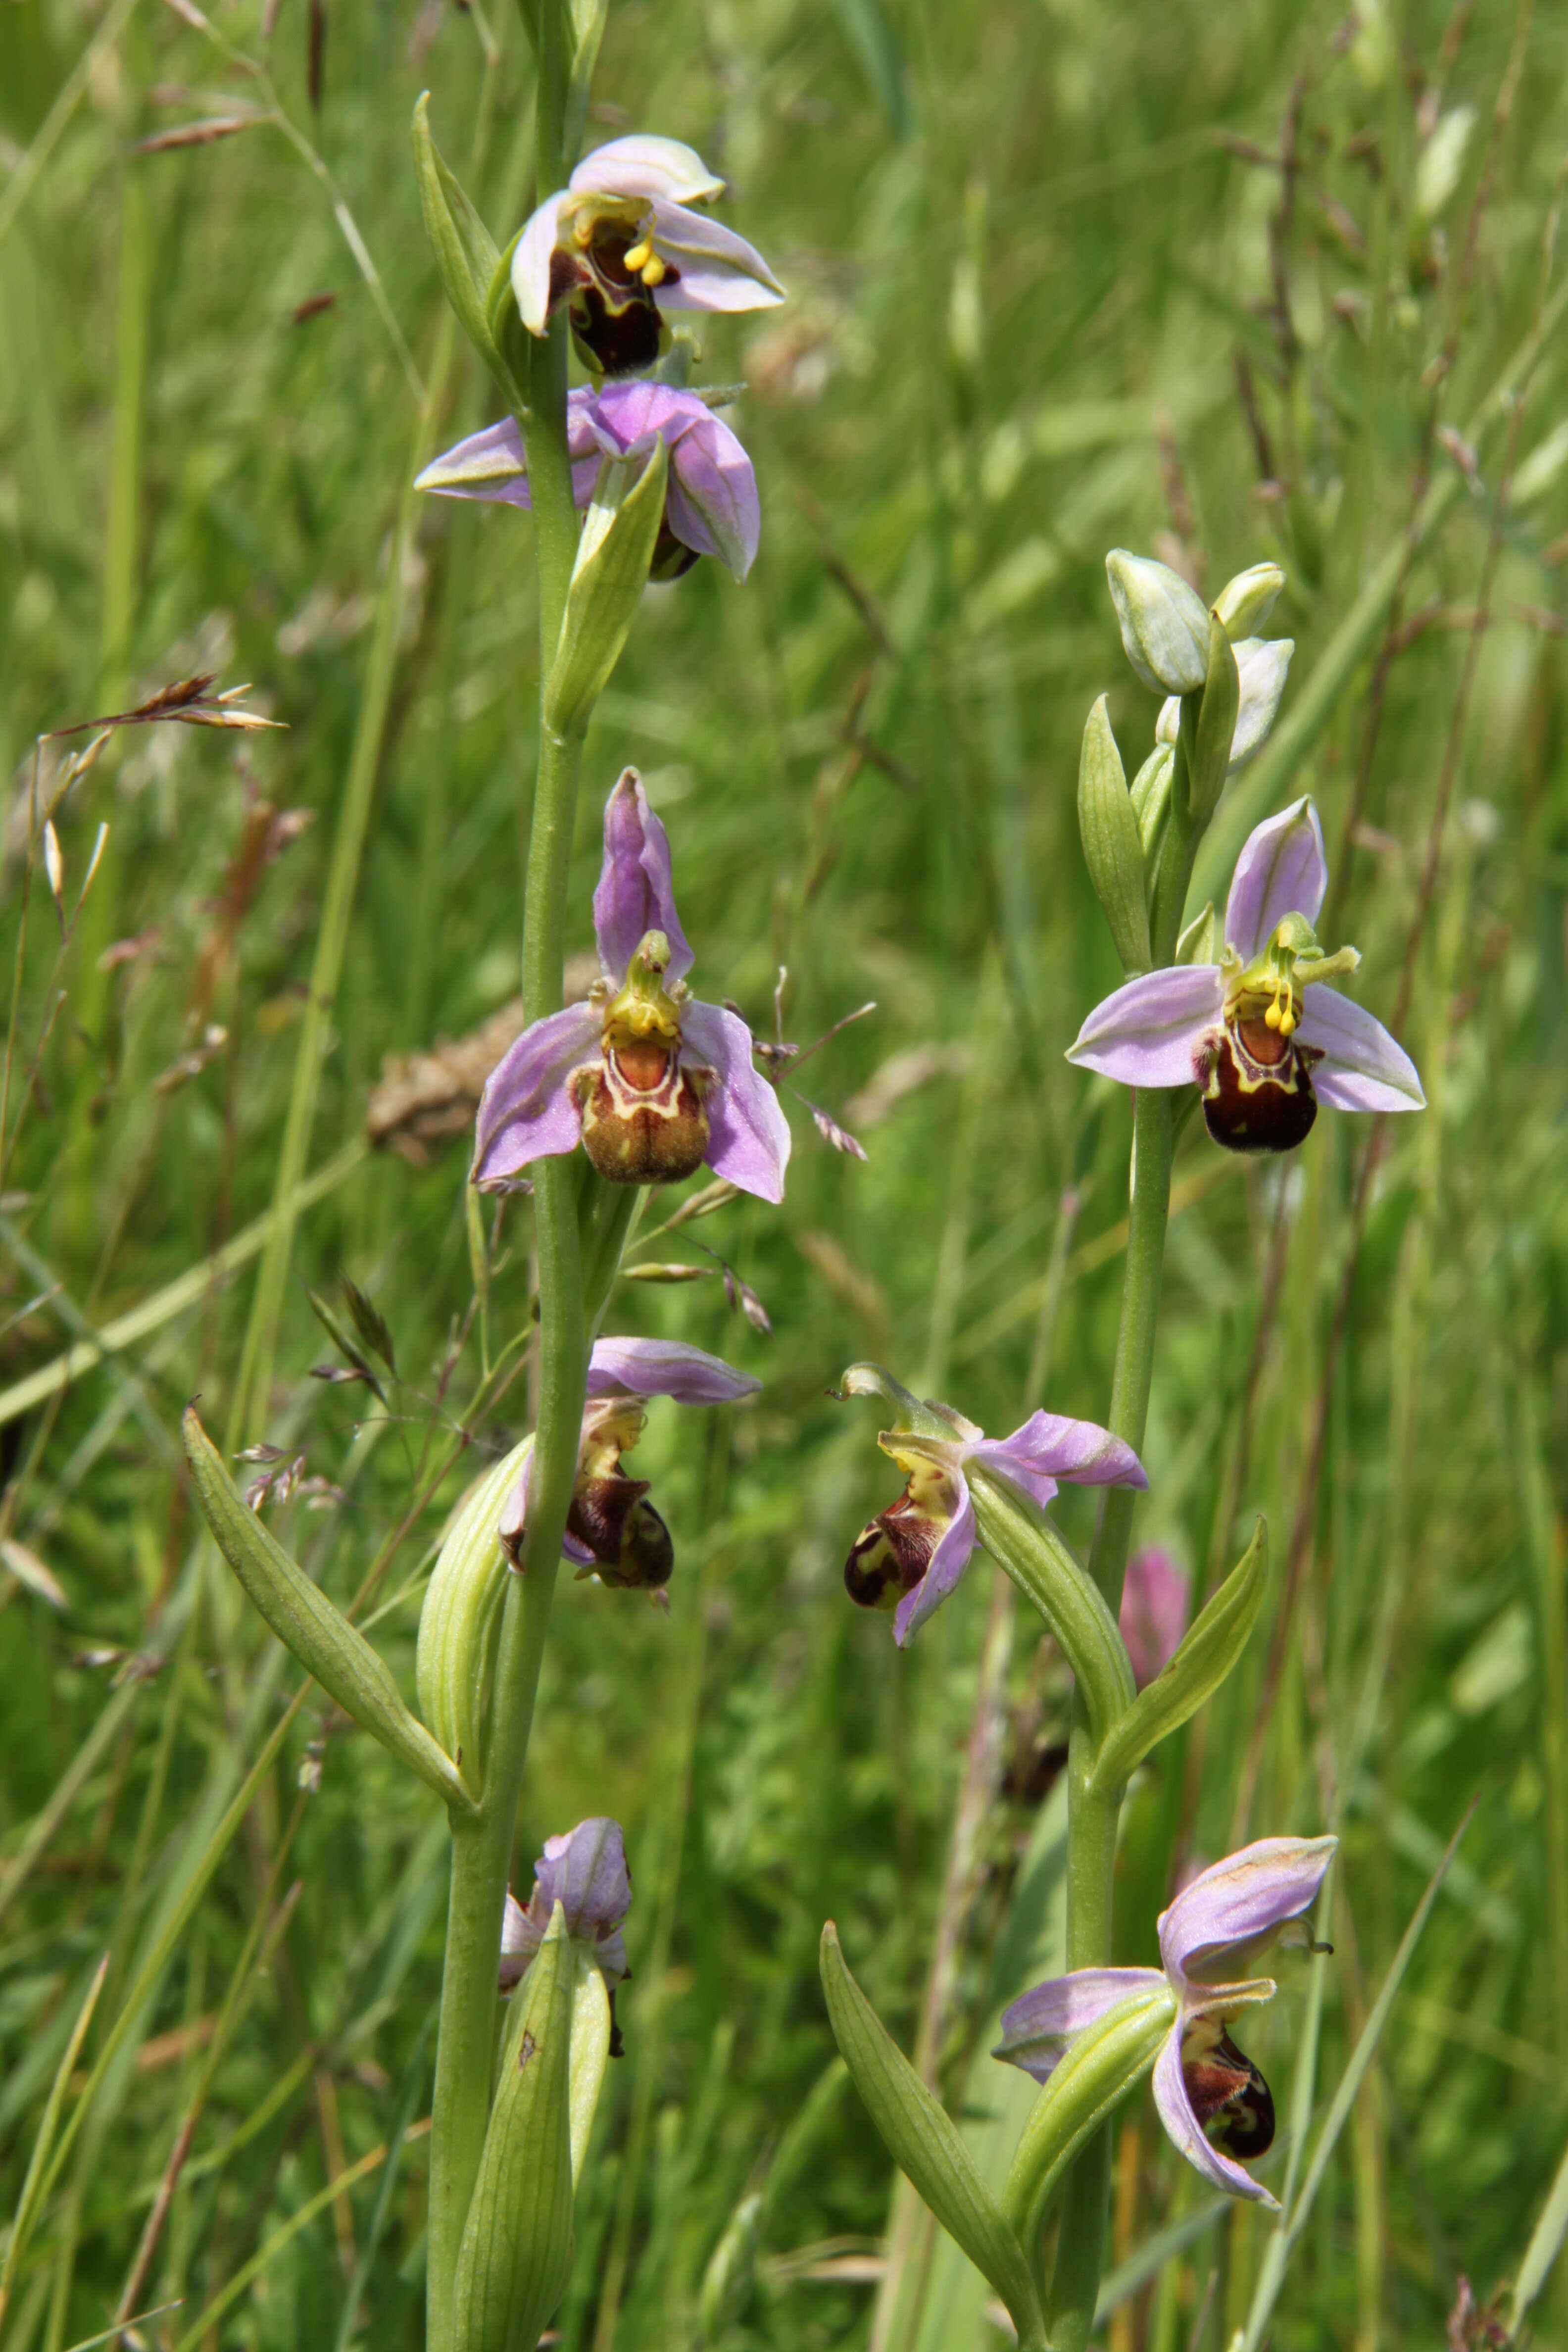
point(650, 1081)
point(711, 506)
point(1212, 2099)
point(612, 1531)
point(585, 1871)
point(622, 245)
point(1243, 1030)
point(910, 1556)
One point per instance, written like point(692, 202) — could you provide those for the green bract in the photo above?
point(1111, 848)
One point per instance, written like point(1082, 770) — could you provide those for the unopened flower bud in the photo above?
point(1245, 603)
point(1164, 621)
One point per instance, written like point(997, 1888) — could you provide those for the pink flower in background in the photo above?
point(1155, 1600)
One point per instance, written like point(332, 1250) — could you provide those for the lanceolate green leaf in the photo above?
point(1208, 1651)
point(306, 1623)
point(465, 250)
point(925, 2143)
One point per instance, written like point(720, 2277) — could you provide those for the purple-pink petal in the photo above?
point(1176, 2114)
point(636, 893)
point(1154, 1604)
point(650, 1368)
point(1364, 1069)
point(493, 464)
point(711, 503)
point(1050, 1447)
point(1148, 1031)
point(1240, 1902)
point(1038, 2027)
point(525, 1111)
point(584, 1869)
point(1281, 871)
point(954, 1547)
point(748, 1132)
point(630, 416)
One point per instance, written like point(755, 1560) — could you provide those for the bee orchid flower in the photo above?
point(910, 1556)
point(1259, 1032)
point(1212, 2099)
point(650, 1081)
point(622, 245)
point(711, 506)
point(584, 1870)
point(612, 1531)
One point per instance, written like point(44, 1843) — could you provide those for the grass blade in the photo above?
point(1294, 2218)
point(32, 2186)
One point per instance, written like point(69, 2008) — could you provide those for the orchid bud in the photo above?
point(516, 2254)
point(1111, 849)
point(1164, 621)
point(1245, 603)
point(460, 1619)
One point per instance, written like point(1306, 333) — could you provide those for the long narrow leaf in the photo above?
point(306, 1623)
point(925, 2143)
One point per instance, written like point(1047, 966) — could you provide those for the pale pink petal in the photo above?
point(1362, 1069)
point(525, 1111)
point(714, 270)
point(1281, 871)
point(1039, 2026)
point(530, 264)
point(1149, 1032)
point(1240, 1903)
point(748, 1132)
point(644, 165)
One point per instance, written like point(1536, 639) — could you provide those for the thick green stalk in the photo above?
point(1092, 1818)
point(481, 1848)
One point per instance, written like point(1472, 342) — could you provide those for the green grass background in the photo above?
point(1043, 261)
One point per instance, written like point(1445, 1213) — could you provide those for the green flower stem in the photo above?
point(481, 1845)
point(1093, 1816)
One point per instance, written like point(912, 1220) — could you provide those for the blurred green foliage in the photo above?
point(1215, 283)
